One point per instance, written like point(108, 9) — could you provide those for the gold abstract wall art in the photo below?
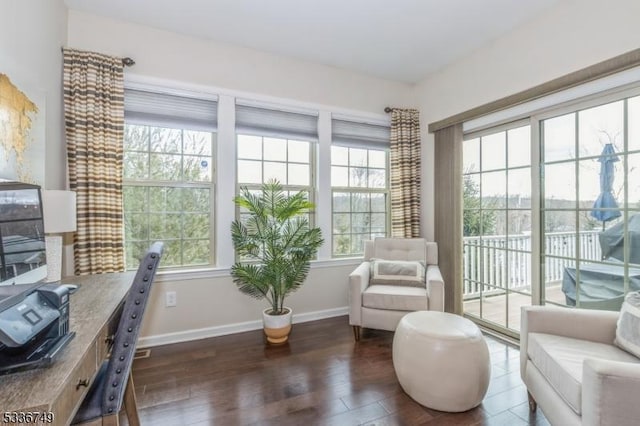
point(21, 144)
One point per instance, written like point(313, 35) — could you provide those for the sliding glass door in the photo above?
point(590, 204)
point(497, 225)
point(560, 226)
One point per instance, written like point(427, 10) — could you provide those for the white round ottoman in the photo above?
point(441, 360)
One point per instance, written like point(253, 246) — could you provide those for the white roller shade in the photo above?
point(168, 110)
point(258, 121)
point(363, 135)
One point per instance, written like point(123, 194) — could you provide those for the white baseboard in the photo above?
point(223, 330)
point(318, 315)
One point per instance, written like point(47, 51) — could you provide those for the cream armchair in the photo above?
point(573, 370)
point(382, 306)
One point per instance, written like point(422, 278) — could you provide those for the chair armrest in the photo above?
point(358, 282)
point(583, 324)
point(435, 288)
point(610, 392)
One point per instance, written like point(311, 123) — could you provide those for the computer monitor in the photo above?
point(23, 257)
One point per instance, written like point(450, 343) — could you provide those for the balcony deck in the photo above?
point(496, 262)
point(494, 307)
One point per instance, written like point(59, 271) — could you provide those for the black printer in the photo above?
point(34, 316)
point(34, 325)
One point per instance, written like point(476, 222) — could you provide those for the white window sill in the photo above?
point(206, 273)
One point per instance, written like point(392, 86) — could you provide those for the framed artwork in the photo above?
point(22, 131)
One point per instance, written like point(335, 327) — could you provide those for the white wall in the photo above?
point(214, 306)
point(209, 306)
point(176, 57)
point(571, 36)
point(31, 35)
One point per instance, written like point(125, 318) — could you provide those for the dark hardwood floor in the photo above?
point(321, 377)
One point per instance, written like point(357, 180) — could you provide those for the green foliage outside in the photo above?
point(275, 241)
point(160, 207)
point(475, 222)
point(357, 216)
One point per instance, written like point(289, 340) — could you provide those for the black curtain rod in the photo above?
point(388, 110)
point(126, 61)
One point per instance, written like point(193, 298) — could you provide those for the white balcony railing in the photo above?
point(486, 259)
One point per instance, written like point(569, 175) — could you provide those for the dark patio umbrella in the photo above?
point(606, 200)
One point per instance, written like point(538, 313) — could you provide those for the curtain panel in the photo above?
point(448, 212)
point(405, 159)
point(94, 125)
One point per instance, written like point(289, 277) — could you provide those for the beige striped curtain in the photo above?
point(94, 124)
point(405, 159)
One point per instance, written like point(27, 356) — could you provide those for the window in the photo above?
point(276, 144)
point(263, 158)
point(497, 224)
point(590, 211)
point(360, 185)
point(168, 177)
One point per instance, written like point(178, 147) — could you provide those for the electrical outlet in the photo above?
point(170, 299)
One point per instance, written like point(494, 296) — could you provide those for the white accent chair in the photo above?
point(382, 306)
point(573, 370)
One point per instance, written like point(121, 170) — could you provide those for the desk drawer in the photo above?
point(72, 394)
point(107, 334)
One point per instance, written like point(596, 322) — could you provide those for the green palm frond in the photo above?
point(276, 233)
point(250, 280)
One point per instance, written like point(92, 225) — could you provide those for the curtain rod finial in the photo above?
point(388, 110)
point(128, 62)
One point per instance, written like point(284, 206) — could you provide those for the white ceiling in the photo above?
point(402, 40)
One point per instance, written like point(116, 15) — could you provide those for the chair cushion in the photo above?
point(397, 272)
point(628, 327)
point(395, 297)
point(560, 359)
point(399, 248)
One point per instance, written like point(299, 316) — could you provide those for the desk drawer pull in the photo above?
point(110, 339)
point(81, 383)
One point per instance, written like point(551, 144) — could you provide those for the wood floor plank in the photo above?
point(406, 411)
point(321, 377)
point(474, 417)
point(504, 383)
point(536, 418)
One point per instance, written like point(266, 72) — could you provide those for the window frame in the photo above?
point(224, 165)
point(209, 185)
point(313, 161)
point(576, 106)
point(482, 282)
point(362, 190)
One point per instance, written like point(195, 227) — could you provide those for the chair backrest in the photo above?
point(401, 249)
point(124, 344)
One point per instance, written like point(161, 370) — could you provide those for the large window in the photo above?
point(168, 177)
point(276, 144)
point(181, 173)
point(360, 185)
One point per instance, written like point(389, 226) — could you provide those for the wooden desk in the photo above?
point(55, 389)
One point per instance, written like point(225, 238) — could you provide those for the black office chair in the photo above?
point(113, 385)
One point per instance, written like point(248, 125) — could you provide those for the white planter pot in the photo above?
point(277, 327)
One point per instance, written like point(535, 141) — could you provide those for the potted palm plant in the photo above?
point(274, 244)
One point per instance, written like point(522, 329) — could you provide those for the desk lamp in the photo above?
point(59, 209)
